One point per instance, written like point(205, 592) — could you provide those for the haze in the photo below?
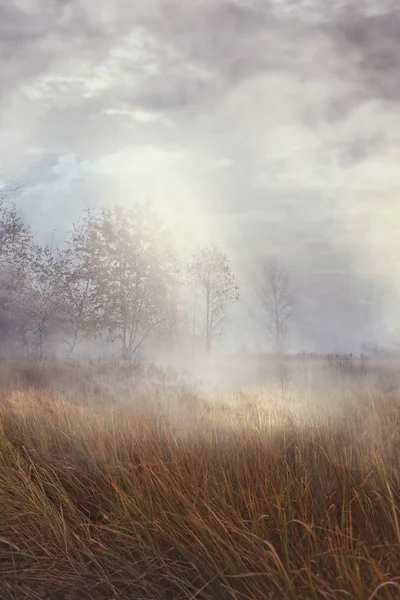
point(267, 127)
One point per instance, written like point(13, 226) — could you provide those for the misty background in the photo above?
point(269, 128)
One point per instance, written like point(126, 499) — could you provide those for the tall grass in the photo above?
point(246, 496)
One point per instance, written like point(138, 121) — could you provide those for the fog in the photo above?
point(265, 127)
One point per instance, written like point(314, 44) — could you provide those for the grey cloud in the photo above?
point(222, 78)
point(227, 38)
point(213, 33)
point(17, 27)
point(360, 148)
point(238, 41)
point(372, 43)
point(36, 44)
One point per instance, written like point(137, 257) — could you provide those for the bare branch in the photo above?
point(278, 300)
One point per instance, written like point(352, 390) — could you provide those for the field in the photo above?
point(172, 491)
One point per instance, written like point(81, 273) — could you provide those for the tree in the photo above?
point(15, 239)
point(37, 293)
point(84, 302)
point(215, 286)
point(8, 188)
point(15, 243)
point(277, 299)
point(134, 261)
point(174, 331)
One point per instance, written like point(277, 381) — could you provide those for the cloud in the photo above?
point(268, 124)
point(371, 42)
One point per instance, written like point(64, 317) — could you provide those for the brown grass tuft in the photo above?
point(247, 498)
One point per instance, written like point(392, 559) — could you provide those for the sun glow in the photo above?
point(174, 181)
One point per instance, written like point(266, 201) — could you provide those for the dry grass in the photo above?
point(250, 497)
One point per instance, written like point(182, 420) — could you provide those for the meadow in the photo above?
point(169, 490)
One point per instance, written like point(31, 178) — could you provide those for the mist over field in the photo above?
point(266, 127)
point(199, 300)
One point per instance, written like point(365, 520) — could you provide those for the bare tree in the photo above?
point(215, 286)
point(278, 300)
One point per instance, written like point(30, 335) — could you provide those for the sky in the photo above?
point(268, 127)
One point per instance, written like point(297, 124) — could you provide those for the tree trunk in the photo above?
point(40, 336)
point(194, 331)
point(208, 333)
point(125, 352)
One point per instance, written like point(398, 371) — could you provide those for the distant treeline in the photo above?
point(120, 286)
point(119, 282)
point(379, 354)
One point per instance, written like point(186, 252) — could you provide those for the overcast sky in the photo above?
point(268, 126)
